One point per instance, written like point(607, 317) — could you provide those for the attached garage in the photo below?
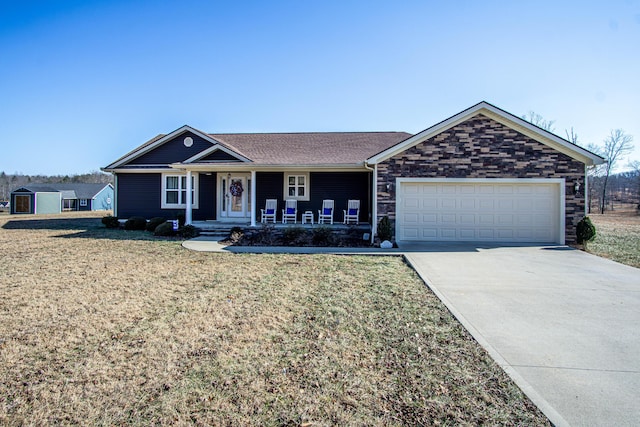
point(484, 210)
point(483, 175)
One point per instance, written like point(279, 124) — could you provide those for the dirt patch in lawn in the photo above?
point(112, 327)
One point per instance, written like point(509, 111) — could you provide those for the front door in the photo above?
point(235, 196)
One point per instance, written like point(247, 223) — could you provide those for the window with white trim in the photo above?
point(174, 191)
point(296, 186)
point(83, 202)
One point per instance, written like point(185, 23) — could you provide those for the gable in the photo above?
point(219, 156)
point(500, 116)
point(173, 150)
point(481, 147)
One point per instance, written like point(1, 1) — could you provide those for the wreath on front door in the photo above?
point(236, 188)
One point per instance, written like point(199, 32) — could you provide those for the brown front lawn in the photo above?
point(617, 235)
point(113, 327)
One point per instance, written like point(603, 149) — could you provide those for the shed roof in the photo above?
point(68, 190)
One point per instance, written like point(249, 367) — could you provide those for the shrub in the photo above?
point(321, 236)
point(294, 236)
point(181, 217)
point(164, 229)
point(110, 221)
point(155, 222)
point(188, 231)
point(135, 223)
point(266, 235)
point(585, 231)
point(384, 229)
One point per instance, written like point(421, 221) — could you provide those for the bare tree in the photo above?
point(572, 136)
point(616, 146)
point(538, 120)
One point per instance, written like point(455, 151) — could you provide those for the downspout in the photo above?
point(374, 200)
point(586, 190)
point(188, 201)
point(253, 198)
point(114, 202)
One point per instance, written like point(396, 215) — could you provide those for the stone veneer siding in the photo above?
point(483, 148)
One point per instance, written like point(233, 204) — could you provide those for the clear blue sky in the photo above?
point(83, 82)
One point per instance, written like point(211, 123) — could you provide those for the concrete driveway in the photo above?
point(564, 324)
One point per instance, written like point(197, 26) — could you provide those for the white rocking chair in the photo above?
point(326, 213)
point(269, 211)
point(290, 211)
point(353, 212)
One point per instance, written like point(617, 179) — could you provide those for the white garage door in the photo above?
point(464, 210)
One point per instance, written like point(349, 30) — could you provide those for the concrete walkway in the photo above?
point(565, 325)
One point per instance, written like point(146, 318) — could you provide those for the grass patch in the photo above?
point(618, 237)
point(111, 327)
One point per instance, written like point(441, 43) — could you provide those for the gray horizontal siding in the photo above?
point(338, 186)
point(140, 195)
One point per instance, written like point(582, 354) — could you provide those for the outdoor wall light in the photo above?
point(576, 187)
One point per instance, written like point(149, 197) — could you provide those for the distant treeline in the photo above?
point(10, 182)
point(622, 187)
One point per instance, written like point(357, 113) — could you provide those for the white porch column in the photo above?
point(374, 202)
point(188, 201)
point(253, 198)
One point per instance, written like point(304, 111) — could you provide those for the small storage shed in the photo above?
point(36, 199)
point(55, 198)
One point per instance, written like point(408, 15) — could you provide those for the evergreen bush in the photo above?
point(154, 222)
point(165, 229)
point(110, 221)
point(188, 231)
point(321, 236)
point(585, 231)
point(135, 223)
point(384, 229)
point(294, 236)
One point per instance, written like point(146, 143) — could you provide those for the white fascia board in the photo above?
point(545, 137)
point(216, 147)
point(199, 167)
point(147, 170)
point(500, 116)
point(140, 151)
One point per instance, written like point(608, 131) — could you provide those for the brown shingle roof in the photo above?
point(315, 148)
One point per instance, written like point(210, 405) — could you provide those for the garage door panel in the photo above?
point(486, 234)
point(411, 202)
point(467, 219)
point(448, 218)
point(410, 233)
point(486, 204)
point(429, 219)
point(466, 189)
point(468, 204)
point(486, 189)
point(429, 233)
point(449, 233)
point(447, 203)
point(505, 219)
point(486, 219)
point(509, 212)
point(411, 189)
point(430, 203)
